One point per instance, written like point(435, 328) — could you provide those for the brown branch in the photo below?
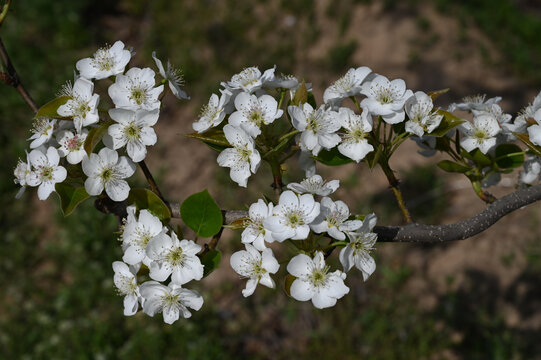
point(12, 78)
point(150, 179)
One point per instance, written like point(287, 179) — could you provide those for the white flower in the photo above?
point(532, 169)
point(136, 90)
point(174, 257)
point(534, 131)
point(422, 119)
point(318, 127)
point(46, 172)
point(173, 301)
point(255, 232)
point(347, 85)
point(482, 134)
point(82, 105)
point(255, 266)
point(249, 79)
point(42, 130)
point(354, 143)
point(333, 219)
point(291, 217)
point(213, 113)
point(173, 77)
point(242, 158)
point(520, 124)
point(137, 233)
point(361, 243)
point(315, 282)
point(106, 62)
point(476, 102)
point(133, 131)
point(107, 170)
point(21, 172)
point(126, 283)
point(315, 185)
point(386, 98)
point(252, 112)
point(72, 145)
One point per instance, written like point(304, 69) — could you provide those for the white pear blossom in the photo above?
point(255, 232)
point(481, 134)
point(520, 124)
point(126, 283)
point(72, 145)
point(318, 127)
point(534, 131)
point(173, 77)
point(106, 62)
point(242, 158)
point(42, 132)
point(173, 301)
point(361, 243)
point(45, 171)
point(422, 118)
point(255, 266)
point(333, 219)
point(249, 79)
point(386, 98)
point(291, 217)
point(475, 102)
point(105, 170)
point(347, 85)
point(135, 90)
point(315, 282)
point(253, 112)
point(171, 256)
point(354, 143)
point(21, 172)
point(213, 113)
point(133, 130)
point(82, 105)
point(136, 234)
point(532, 170)
point(315, 185)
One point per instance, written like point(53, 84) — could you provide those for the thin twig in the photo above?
point(151, 181)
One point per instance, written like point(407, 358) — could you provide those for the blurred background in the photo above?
point(475, 299)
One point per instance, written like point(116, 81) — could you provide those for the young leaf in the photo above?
point(332, 157)
point(477, 157)
point(211, 261)
point(201, 213)
point(526, 140)
point(214, 138)
point(437, 93)
point(450, 166)
point(70, 196)
point(49, 110)
point(509, 156)
point(95, 135)
point(448, 123)
point(301, 95)
point(146, 199)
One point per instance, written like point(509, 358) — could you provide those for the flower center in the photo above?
point(138, 95)
point(41, 126)
point(244, 153)
point(176, 257)
point(103, 59)
point(74, 143)
point(132, 131)
point(47, 173)
point(82, 108)
point(318, 277)
point(294, 219)
point(107, 174)
point(127, 285)
point(170, 299)
point(480, 134)
point(256, 117)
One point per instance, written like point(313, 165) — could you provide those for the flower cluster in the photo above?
point(299, 216)
point(146, 241)
point(60, 136)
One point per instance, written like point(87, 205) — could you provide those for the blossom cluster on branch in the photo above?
point(80, 149)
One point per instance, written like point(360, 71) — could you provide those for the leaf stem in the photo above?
point(394, 184)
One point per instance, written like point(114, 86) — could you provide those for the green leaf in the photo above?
point(211, 261)
point(399, 128)
point(70, 196)
point(146, 199)
point(526, 140)
point(372, 157)
point(214, 138)
point(509, 156)
point(332, 157)
point(301, 95)
point(49, 110)
point(288, 281)
point(95, 135)
point(451, 166)
point(312, 100)
point(448, 122)
point(201, 213)
point(477, 157)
